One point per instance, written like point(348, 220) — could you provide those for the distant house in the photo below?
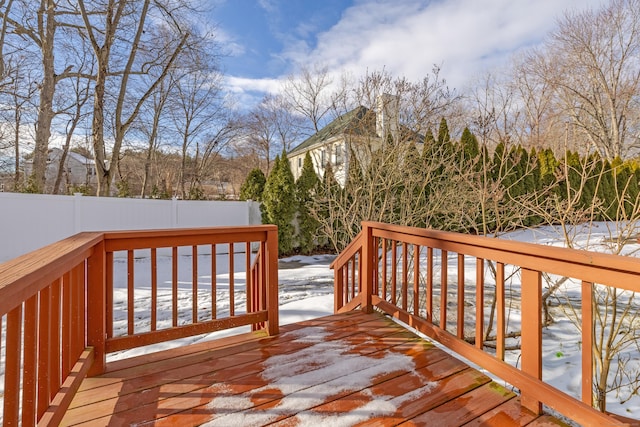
point(78, 170)
point(359, 131)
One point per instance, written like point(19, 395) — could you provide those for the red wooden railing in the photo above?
point(59, 320)
point(399, 270)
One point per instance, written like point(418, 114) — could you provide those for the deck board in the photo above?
point(355, 367)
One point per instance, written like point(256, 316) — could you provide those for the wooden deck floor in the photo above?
point(347, 369)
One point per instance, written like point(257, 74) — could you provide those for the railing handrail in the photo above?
point(586, 265)
point(369, 289)
point(354, 246)
point(25, 276)
point(125, 240)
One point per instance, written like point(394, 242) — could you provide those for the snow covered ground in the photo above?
point(305, 292)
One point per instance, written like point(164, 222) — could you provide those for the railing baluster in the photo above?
point(359, 272)
point(376, 267)
point(416, 280)
point(479, 303)
point(384, 269)
point(587, 342)
point(214, 276)
point(54, 347)
point(460, 311)
point(154, 289)
point(349, 285)
point(405, 276)
point(109, 293)
point(174, 286)
point(66, 324)
point(354, 278)
point(429, 285)
point(394, 272)
point(80, 279)
point(194, 284)
point(264, 263)
point(44, 338)
point(130, 293)
point(232, 302)
point(500, 311)
point(12, 366)
point(345, 270)
point(248, 282)
point(443, 289)
point(30, 371)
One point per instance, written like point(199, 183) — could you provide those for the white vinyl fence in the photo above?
point(30, 221)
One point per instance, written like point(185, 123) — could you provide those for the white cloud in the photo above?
point(249, 92)
point(241, 84)
point(407, 37)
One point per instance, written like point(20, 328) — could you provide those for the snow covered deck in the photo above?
point(64, 308)
point(343, 369)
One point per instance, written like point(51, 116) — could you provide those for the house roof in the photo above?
point(80, 158)
point(359, 121)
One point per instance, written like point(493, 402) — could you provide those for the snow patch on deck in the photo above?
point(343, 371)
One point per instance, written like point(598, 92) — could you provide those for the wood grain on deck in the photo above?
point(347, 369)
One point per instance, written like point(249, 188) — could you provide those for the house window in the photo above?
point(338, 155)
point(323, 160)
point(299, 162)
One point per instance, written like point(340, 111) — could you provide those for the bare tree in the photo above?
point(309, 95)
point(75, 114)
point(122, 30)
point(591, 62)
point(196, 107)
point(150, 125)
point(272, 127)
point(542, 123)
point(19, 90)
point(38, 23)
point(5, 10)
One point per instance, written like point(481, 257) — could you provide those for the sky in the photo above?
point(266, 40)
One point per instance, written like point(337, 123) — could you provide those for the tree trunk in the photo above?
point(97, 127)
point(45, 110)
point(16, 147)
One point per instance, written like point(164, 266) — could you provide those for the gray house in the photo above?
point(77, 170)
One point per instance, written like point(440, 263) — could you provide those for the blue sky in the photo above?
point(269, 39)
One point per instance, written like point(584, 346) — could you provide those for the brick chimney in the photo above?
point(387, 115)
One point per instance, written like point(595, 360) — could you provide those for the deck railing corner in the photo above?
point(412, 274)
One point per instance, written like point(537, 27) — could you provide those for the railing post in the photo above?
point(96, 308)
point(272, 282)
point(587, 342)
point(338, 291)
point(367, 267)
point(531, 301)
